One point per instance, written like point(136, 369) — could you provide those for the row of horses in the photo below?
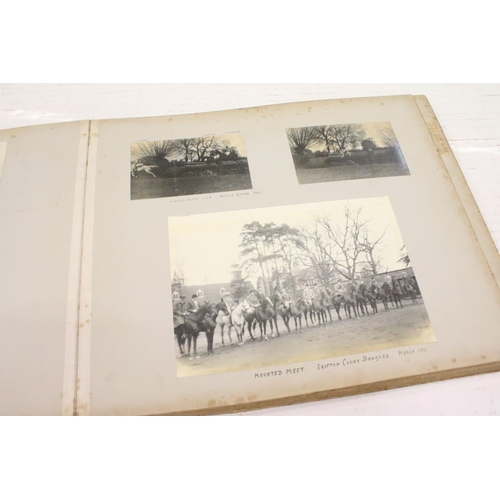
point(316, 311)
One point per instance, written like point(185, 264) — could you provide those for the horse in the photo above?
point(370, 297)
point(223, 320)
point(320, 310)
point(308, 312)
point(296, 311)
point(410, 291)
point(250, 322)
point(362, 300)
point(264, 313)
point(194, 325)
point(238, 319)
point(326, 298)
point(282, 308)
point(209, 325)
point(140, 167)
point(385, 293)
point(337, 301)
point(397, 294)
point(180, 335)
point(350, 303)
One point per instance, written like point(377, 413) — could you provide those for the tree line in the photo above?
point(159, 153)
point(327, 249)
point(337, 139)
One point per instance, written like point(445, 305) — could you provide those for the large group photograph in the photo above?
point(187, 167)
point(285, 285)
point(333, 153)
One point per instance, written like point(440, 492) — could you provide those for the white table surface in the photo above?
point(468, 113)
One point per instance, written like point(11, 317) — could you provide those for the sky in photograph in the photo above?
point(372, 130)
point(375, 131)
point(235, 139)
point(203, 247)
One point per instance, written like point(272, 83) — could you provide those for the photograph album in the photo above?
point(237, 260)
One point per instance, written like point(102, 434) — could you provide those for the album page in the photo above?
point(264, 256)
point(42, 184)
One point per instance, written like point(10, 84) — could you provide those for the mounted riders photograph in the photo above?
point(289, 284)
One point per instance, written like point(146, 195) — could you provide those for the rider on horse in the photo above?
point(308, 295)
point(228, 300)
point(406, 285)
point(339, 289)
point(374, 286)
point(353, 288)
point(252, 299)
point(262, 299)
point(282, 297)
point(193, 305)
point(396, 287)
point(180, 313)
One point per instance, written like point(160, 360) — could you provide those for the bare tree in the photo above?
point(203, 145)
point(187, 146)
point(340, 249)
point(345, 137)
point(325, 133)
point(348, 250)
point(315, 251)
point(389, 137)
point(301, 139)
point(157, 151)
point(373, 260)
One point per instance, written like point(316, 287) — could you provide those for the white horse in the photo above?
point(238, 318)
point(224, 319)
point(142, 168)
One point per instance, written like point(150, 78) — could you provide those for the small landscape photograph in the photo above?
point(335, 153)
point(187, 167)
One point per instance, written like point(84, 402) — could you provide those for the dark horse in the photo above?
point(361, 302)
point(385, 293)
point(263, 313)
point(337, 301)
point(369, 297)
point(350, 303)
point(409, 290)
point(209, 325)
point(195, 324)
point(397, 293)
point(249, 317)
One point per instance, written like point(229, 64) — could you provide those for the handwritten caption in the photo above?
point(219, 196)
point(346, 362)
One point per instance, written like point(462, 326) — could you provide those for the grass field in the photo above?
point(145, 188)
point(311, 175)
point(397, 328)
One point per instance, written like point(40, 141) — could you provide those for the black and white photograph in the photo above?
point(186, 167)
point(335, 153)
point(269, 287)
